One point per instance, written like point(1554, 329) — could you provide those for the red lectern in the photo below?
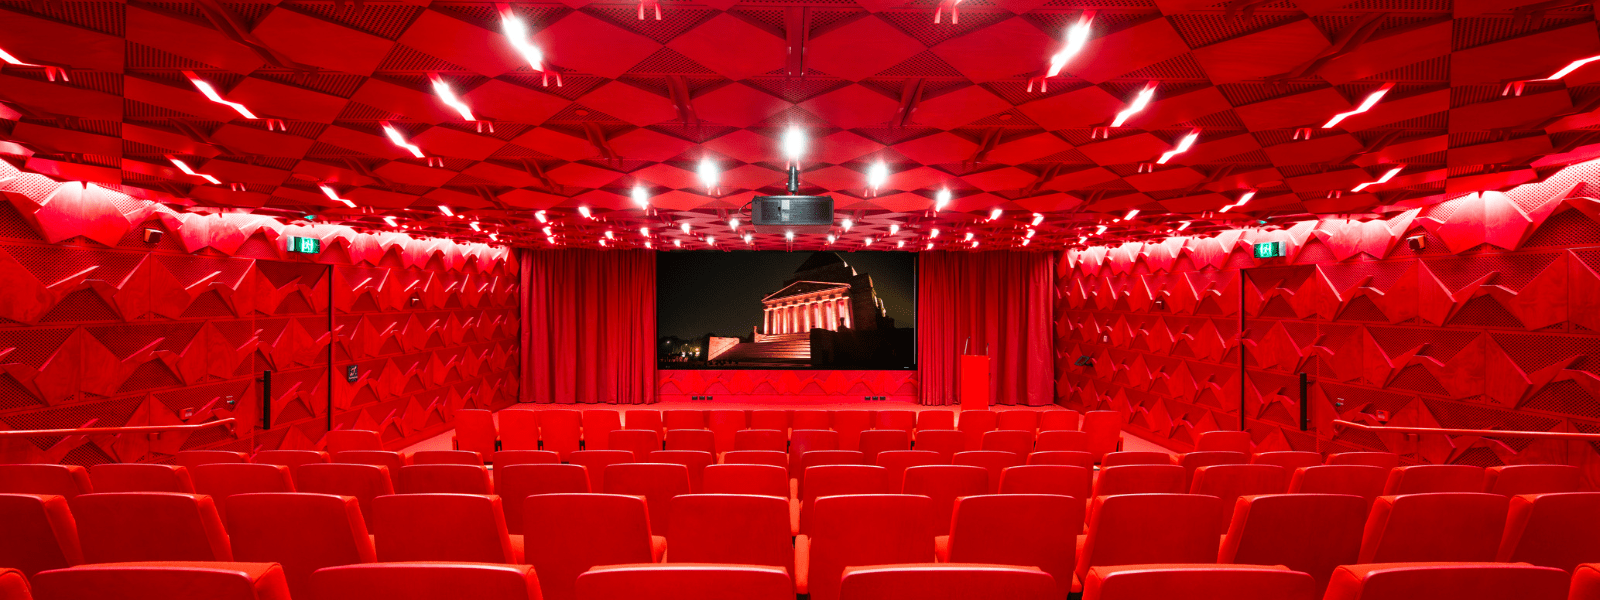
point(974, 384)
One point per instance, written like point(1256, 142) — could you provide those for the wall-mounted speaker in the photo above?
point(1417, 242)
point(152, 236)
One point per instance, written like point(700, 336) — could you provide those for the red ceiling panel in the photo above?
point(316, 42)
point(860, 49)
point(1263, 53)
point(60, 43)
point(483, 51)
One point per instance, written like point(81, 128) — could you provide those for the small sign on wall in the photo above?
point(305, 245)
point(351, 374)
point(1270, 249)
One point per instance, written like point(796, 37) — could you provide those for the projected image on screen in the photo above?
point(786, 310)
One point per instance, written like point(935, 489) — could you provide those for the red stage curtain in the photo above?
point(588, 326)
point(1002, 300)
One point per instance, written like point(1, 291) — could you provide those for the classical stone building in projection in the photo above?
point(825, 293)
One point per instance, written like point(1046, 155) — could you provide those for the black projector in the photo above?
point(799, 214)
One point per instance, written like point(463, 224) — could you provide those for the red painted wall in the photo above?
point(1495, 324)
point(99, 328)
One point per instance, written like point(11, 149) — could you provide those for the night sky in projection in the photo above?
point(720, 292)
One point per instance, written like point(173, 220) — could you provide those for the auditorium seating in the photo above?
point(149, 526)
point(942, 484)
point(1063, 457)
point(802, 441)
point(519, 429)
point(566, 534)
point(1586, 582)
point(765, 480)
point(302, 532)
point(731, 529)
point(816, 458)
point(758, 457)
point(221, 480)
point(853, 531)
point(724, 426)
point(1386, 460)
point(14, 585)
point(1229, 482)
point(903, 420)
point(896, 461)
point(685, 582)
point(849, 424)
point(54, 480)
point(945, 582)
point(442, 527)
point(390, 461)
point(1552, 530)
point(290, 458)
point(1516, 480)
point(445, 457)
point(1423, 479)
point(1309, 533)
point(973, 424)
point(37, 533)
point(428, 581)
point(362, 482)
point(1063, 480)
point(506, 458)
point(761, 439)
point(597, 427)
point(443, 479)
point(1017, 420)
point(596, 461)
point(1135, 529)
point(839, 480)
point(1199, 582)
point(476, 432)
point(945, 442)
point(1139, 479)
point(513, 483)
point(810, 419)
point(172, 580)
point(1195, 460)
point(1058, 420)
point(1105, 432)
point(561, 430)
point(700, 440)
point(694, 460)
point(641, 442)
point(1440, 527)
point(777, 420)
point(683, 419)
point(1117, 459)
point(657, 483)
point(995, 461)
point(1015, 441)
point(1053, 440)
point(193, 458)
point(1288, 459)
point(643, 419)
point(875, 441)
point(935, 419)
point(1224, 441)
point(1424, 581)
point(1366, 481)
point(1032, 530)
point(340, 440)
point(140, 477)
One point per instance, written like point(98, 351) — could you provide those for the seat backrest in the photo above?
point(1441, 527)
point(700, 440)
point(973, 424)
point(476, 431)
point(194, 458)
point(758, 457)
point(762, 480)
point(443, 479)
point(445, 457)
point(1233, 582)
point(802, 441)
point(390, 461)
point(942, 484)
point(140, 477)
point(1224, 441)
point(1065, 480)
point(37, 533)
point(656, 482)
point(761, 439)
point(683, 419)
point(641, 442)
point(362, 482)
point(51, 480)
point(1229, 482)
point(996, 461)
point(1516, 480)
point(560, 430)
point(1483, 581)
point(850, 424)
point(724, 425)
point(1387, 460)
point(598, 424)
point(506, 458)
point(1053, 440)
point(220, 480)
point(1015, 441)
point(340, 440)
point(770, 419)
point(866, 530)
point(877, 441)
point(904, 420)
point(1309, 533)
point(644, 419)
point(290, 458)
point(1552, 530)
point(14, 585)
point(1033, 530)
point(302, 532)
point(445, 527)
point(143, 526)
point(1105, 431)
point(1139, 479)
point(810, 419)
point(1017, 420)
point(565, 534)
point(1357, 480)
point(172, 580)
point(596, 461)
point(1424, 479)
point(1195, 460)
point(1586, 582)
point(946, 442)
point(1063, 457)
point(927, 581)
point(935, 419)
point(839, 480)
point(817, 458)
point(1059, 420)
point(1288, 459)
point(1117, 459)
point(1137, 529)
point(730, 528)
point(896, 461)
point(519, 430)
point(427, 581)
point(694, 460)
point(515, 482)
point(699, 581)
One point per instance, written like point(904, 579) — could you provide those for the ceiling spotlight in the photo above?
point(211, 94)
point(475, 227)
point(794, 143)
point(1101, 230)
point(677, 243)
point(551, 239)
point(846, 224)
point(1077, 36)
point(969, 237)
point(733, 223)
point(647, 244)
point(788, 235)
point(445, 210)
point(1242, 199)
point(930, 246)
point(1131, 214)
point(1029, 235)
point(1365, 106)
point(332, 195)
point(866, 242)
point(390, 221)
point(546, 230)
point(941, 200)
point(1182, 226)
point(934, 233)
point(517, 33)
point(902, 244)
point(644, 231)
point(398, 140)
point(1182, 147)
point(1026, 240)
point(709, 174)
point(995, 214)
point(183, 166)
point(609, 235)
point(684, 227)
point(494, 237)
point(894, 228)
point(1139, 103)
point(537, 215)
point(448, 96)
point(641, 197)
point(877, 176)
point(747, 238)
point(711, 241)
point(1037, 219)
point(830, 238)
point(584, 210)
point(1385, 179)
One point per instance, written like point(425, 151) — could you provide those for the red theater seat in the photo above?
point(362, 482)
point(1435, 581)
point(1030, 530)
point(943, 484)
point(1229, 482)
point(14, 585)
point(194, 458)
point(1195, 460)
point(596, 461)
point(1117, 459)
point(839, 480)
point(817, 458)
point(1015, 441)
point(770, 419)
point(1309, 533)
point(904, 420)
point(444, 527)
point(725, 425)
point(566, 534)
point(1064, 480)
point(560, 430)
point(935, 419)
point(1386, 460)
point(301, 532)
point(641, 442)
point(946, 582)
point(701, 440)
point(597, 427)
point(165, 581)
point(427, 581)
point(1586, 583)
point(443, 479)
point(221, 480)
point(1199, 582)
point(1138, 529)
point(773, 440)
point(685, 582)
point(657, 483)
point(853, 531)
point(896, 461)
point(694, 460)
point(516, 482)
point(758, 457)
point(810, 419)
point(644, 419)
point(1058, 420)
point(802, 441)
point(1443, 527)
point(445, 457)
point(1057, 440)
point(973, 424)
point(390, 461)
point(54, 480)
point(1017, 420)
point(683, 419)
point(996, 461)
point(1357, 480)
point(1105, 431)
point(1425, 479)
point(136, 526)
point(763, 480)
point(850, 424)
point(290, 458)
point(37, 533)
point(1063, 457)
point(732, 529)
point(519, 430)
point(506, 458)
point(883, 440)
point(1552, 530)
point(1288, 459)
point(1224, 441)
point(340, 440)
point(476, 432)
point(1516, 480)
point(946, 442)
point(1139, 479)
point(137, 477)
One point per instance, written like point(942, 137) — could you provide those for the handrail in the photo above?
point(108, 430)
point(1560, 435)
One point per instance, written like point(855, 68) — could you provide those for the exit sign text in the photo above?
point(305, 245)
point(1269, 249)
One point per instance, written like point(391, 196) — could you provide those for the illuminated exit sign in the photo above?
point(305, 245)
point(1269, 249)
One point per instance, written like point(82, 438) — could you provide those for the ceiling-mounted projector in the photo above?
point(792, 212)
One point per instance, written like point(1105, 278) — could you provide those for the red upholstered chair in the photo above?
point(700, 440)
point(362, 482)
point(683, 419)
point(340, 440)
point(37, 533)
point(1288, 459)
point(774, 440)
point(946, 582)
point(644, 418)
point(1586, 582)
point(750, 479)
point(802, 441)
point(850, 424)
point(519, 430)
point(220, 480)
point(839, 480)
point(852, 531)
point(445, 457)
point(1136, 529)
point(1224, 441)
point(1059, 420)
point(935, 419)
point(1064, 480)
point(427, 581)
point(904, 420)
point(566, 534)
point(816, 458)
point(973, 424)
point(943, 484)
point(1139, 479)
point(1552, 530)
point(758, 457)
point(290, 458)
point(1387, 460)
point(1017, 420)
point(596, 462)
point(194, 458)
point(444, 527)
point(732, 529)
point(1229, 482)
point(1195, 460)
point(896, 461)
point(694, 460)
point(1424, 581)
point(476, 432)
point(882, 440)
point(1055, 440)
point(641, 442)
point(1030, 530)
point(560, 430)
point(724, 426)
point(14, 585)
point(52, 480)
point(390, 461)
point(996, 461)
point(657, 483)
point(597, 427)
point(139, 477)
point(506, 458)
point(1425, 479)
point(1009, 440)
point(1105, 431)
point(136, 526)
point(685, 581)
point(1309, 533)
point(1442, 527)
point(513, 483)
point(1516, 480)
point(946, 442)
point(1357, 480)
point(443, 479)
point(301, 532)
point(770, 419)
point(1063, 457)
point(165, 580)
point(810, 419)
point(1117, 459)
point(1199, 582)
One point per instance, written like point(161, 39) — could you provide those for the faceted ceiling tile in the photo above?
point(957, 108)
point(860, 49)
point(842, 147)
point(1172, 110)
point(852, 106)
point(581, 175)
point(313, 41)
point(630, 104)
point(1139, 147)
point(732, 47)
point(1396, 49)
point(1078, 108)
point(442, 36)
point(554, 143)
point(1006, 178)
point(1005, 49)
point(512, 102)
point(1263, 53)
point(1526, 57)
point(939, 148)
point(666, 175)
point(745, 146)
point(411, 103)
point(1109, 56)
point(28, 38)
point(644, 144)
point(750, 177)
point(1310, 109)
point(273, 99)
point(589, 45)
point(1048, 203)
point(1320, 150)
point(185, 38)
point(1026, 149)
point(738, 105)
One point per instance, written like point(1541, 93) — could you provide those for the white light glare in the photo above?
point(1184, 225)
point(894, 228)
point(537, 215)
point(830, 238)
point(1183, 146)
point(901, 244)
point(684, 227)
point(1077, 36)
point(1029, 235)
point(877, 175)
point(448, 96)
point(748, 237)
point(641, 197)
point(328, 191)
point(933, 234)
point(847, 224)
point(475, 226)
point(1572, 66)
point(390, 221)
point(609, 235)
point(709, 173)
point(794, 143)
point(445, 210)
point(969, 237)
point(398, 140)
point(1037, 219)
point(1364, 107)
point(212, 95)
point(1131, 214)
point(1386, 177)
point(1101, 230)
point(183, 166)
point(584, 210)
point(644, 231)
point(546, 230)
point(1138, 104)
point(517, 34)
point(711, 241)
point(941, 200)
point(733, 223)
point(995, 214)
point(788, 235)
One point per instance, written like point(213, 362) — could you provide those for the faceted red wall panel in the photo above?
point(1494, 324)
point(99, 328)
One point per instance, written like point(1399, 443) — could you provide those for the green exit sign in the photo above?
point(1269, 249)
point(305, 245)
